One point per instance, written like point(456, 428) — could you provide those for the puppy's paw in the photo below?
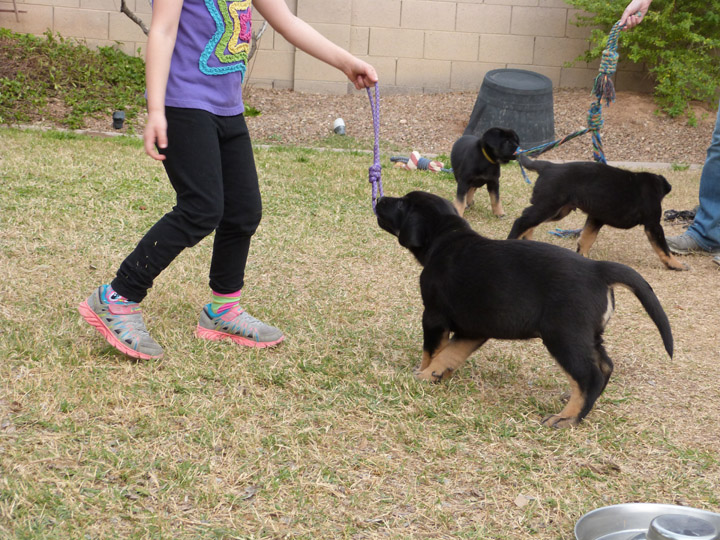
point(557, 421)
point(679, 267)
point(430, 375)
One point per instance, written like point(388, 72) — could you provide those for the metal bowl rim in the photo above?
point(656, 508)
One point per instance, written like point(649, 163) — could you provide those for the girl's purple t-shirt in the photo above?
point(210, 57)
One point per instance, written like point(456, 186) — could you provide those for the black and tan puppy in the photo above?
point(476, 162)
point(608, 195)
point(474, 288)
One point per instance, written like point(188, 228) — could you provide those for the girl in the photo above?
point(197, 53)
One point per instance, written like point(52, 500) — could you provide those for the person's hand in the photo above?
point(362, 74)
point(634, 13)
point(155, 134)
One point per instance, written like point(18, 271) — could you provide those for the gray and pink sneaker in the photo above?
point(237, 325)
point(120, 323)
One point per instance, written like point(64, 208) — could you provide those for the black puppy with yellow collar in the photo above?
point(476, 162)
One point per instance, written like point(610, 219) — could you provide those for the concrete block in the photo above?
point(514, 2)
point(308, 68)
point(121, 28)
point(428, 15)
point(81, 23)
point(577, 78)
point(403, 43)
point(35, 20)
point(279, 43)
point(339, 34)
point(270, 39)
point(255, 83)
point(533, 21)
point(467, 76)
point(483, 18)
point(451, 46)
point(105, 5)
point(55, 3)
point(376, 13)
point(321, 87)
point(359, 40)
point(143, 7)
point(266, 40)
point(322, 11)
point(550, 51)
point(423, 73)
point(274, 84)
point(506, 49)
point(574, 31)
point(386, 68)
point(268, 64)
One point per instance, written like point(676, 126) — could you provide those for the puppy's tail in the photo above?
point(532, 164)
point(616, 273)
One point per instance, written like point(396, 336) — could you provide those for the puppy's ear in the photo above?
point(667, 188)
point(493, 138)
point(412, 233)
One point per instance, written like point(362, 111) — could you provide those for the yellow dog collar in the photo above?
point(488, 157)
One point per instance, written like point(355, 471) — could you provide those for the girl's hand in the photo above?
point(362, 74)
point(634, 13)
point(155, 135)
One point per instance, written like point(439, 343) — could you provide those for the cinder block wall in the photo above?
point(415, 45)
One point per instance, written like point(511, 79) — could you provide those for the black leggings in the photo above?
point(210, 164)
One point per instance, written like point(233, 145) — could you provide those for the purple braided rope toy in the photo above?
point(375, 170)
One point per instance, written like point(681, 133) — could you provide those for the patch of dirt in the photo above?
point(430, 123)
point(633, 130)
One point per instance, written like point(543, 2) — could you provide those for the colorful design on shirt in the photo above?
point(230, 44)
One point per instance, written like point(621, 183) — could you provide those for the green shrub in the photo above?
point(678, 41)
point(39, 73)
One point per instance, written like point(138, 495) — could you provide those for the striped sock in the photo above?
point(222, 302)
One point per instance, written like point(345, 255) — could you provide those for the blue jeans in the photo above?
point(705, 230)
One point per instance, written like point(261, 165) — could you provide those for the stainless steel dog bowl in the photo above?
point(646, 521)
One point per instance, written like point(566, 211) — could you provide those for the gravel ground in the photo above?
point(430, 123)
point(633, 130)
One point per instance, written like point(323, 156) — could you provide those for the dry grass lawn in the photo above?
point(328, 435)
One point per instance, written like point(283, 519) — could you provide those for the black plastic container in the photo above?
point(515, 99)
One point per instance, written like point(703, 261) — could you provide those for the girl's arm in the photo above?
point(160, 45)
point(309, 40)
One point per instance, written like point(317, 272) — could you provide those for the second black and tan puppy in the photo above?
point(608, 195)
point(474, 289)
point(476, 162)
